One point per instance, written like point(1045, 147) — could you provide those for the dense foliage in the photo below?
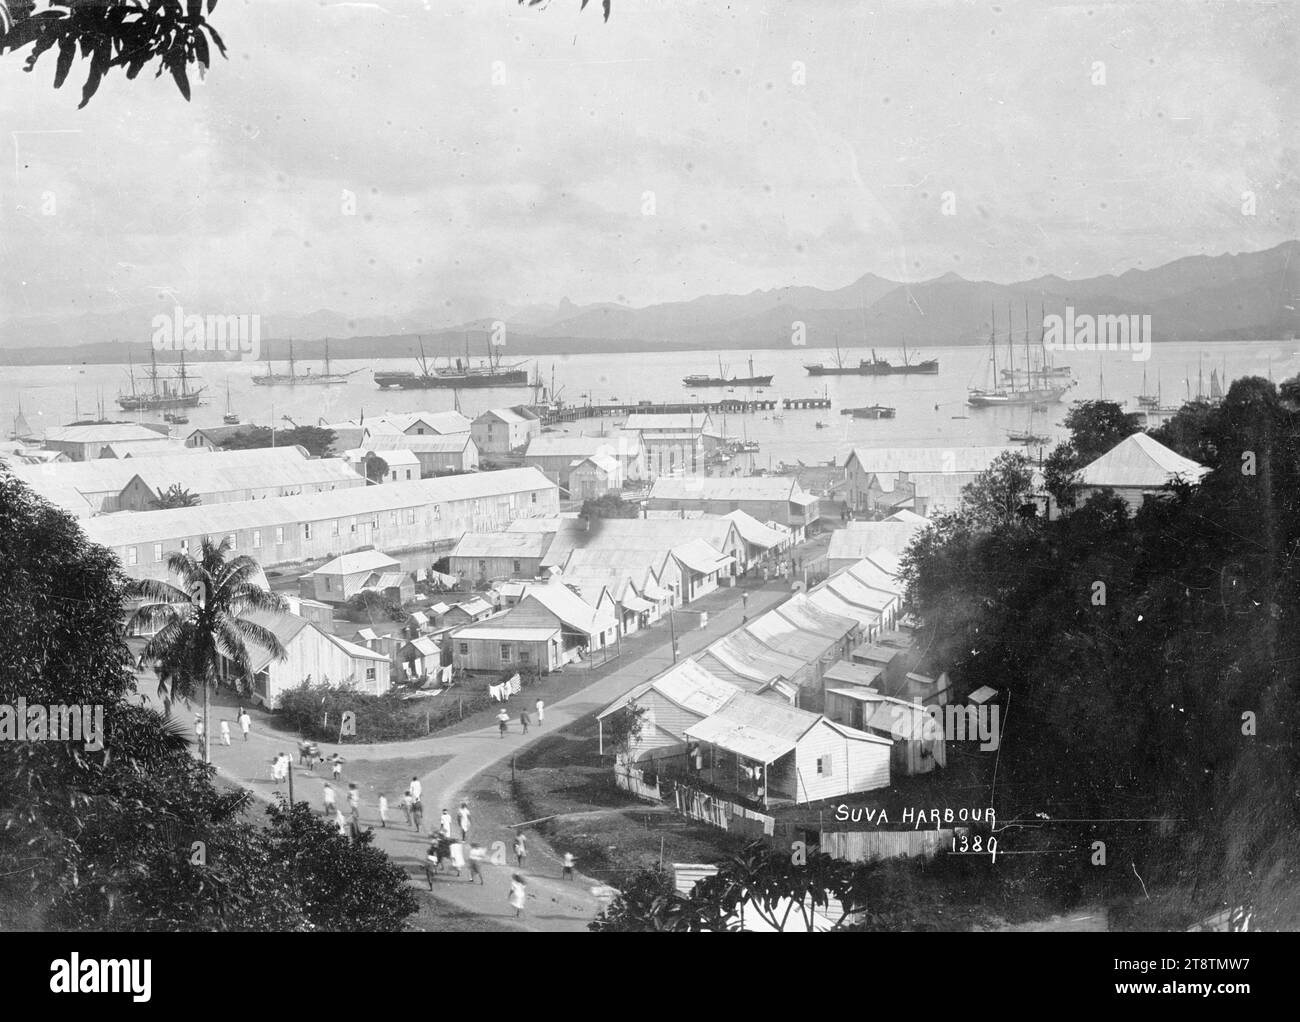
point(136, 837)
point(372, 606)
point(611, 505)
point(314, 710)
point(316, 440)
point(1147, 662)
point(126, 34)
point(175, 496)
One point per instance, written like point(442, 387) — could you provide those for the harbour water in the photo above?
point(932, 410)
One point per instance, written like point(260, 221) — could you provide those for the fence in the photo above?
point(869, 845)
point(718, 812)
point(633, 781)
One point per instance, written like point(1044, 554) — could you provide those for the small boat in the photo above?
point(231, 418)
point(176, 418)
point(871, 412)
point(821, 425)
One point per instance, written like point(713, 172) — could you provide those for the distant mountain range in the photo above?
point(1235, 296)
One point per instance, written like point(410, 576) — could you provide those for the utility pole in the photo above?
point(206, 756)
point(291, 784)
point(672, 628)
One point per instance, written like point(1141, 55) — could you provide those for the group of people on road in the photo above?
point(503, 718)
point(242, 718)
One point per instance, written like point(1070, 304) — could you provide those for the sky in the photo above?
point(471, 158)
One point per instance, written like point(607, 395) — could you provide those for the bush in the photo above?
point(372, 606)
point(315, 711)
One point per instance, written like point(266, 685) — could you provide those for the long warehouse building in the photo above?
point(289, 530)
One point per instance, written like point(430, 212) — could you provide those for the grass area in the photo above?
point(564, 782)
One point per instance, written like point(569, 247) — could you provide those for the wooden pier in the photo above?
point(729, 406)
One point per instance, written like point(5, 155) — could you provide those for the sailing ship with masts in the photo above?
point(722, 380)
point(457, 373)
point(163, 391)
point(293, 378)
point(1031, 388)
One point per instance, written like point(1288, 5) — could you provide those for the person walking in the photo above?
point(329, 799)
point(477, 853)
point(337, 762)
point(245, 722)
point(518, 894)
point(503, 722)
point(225, 732)
point(198, 728)
point(523, 719)
point(341, 823)
point(444, 824)
point(541, 712)
point(568, 866)
point(462, 815)
point(354, 799)
point(415, 789)
point(383, 810)
point(521, 849)
point(417, 815)
point(406, 807)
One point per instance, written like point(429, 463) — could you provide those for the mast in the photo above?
point(153, 369)
point(1029, 362)
point(993, 343)
point(327, 356)
point(292, 373)
point(1011, 351)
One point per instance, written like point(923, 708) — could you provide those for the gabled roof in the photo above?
point(502, 544)
point(891, 460)
point(738, 488)
point(756, 728)
point(355, 651)
point(428, 443)
point(672, 421)
point(700, 557)
point(567, 445)
point(590, 618)
point(755, 533)
point(285, 627)
point(604, 462)
point(687, 684)
point(862, 538)
point(352, 564)
point(473, 607)
point(510, 415)
point(109, 432)
point(1140, 461)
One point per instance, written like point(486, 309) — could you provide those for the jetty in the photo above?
point(730, 406)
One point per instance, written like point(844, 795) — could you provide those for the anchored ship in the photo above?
point(875, 367)
point(722, 380)
point(164, 392)
point(293, 378)
point(1026, 387)
point(458, 373)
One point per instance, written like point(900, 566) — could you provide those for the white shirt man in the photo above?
point(416, 789)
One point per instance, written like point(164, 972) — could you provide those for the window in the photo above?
point(437, 512)
point(505, 652)
point(327, 585)
point(375, 523)
point(370, 674)
point(392, 517)
point(257, 539)
point(482, 567)
point(157, 551)
point(824, 765)
point(132, 555)
point(517, 568)
point(306, 530)
point(352, 526)
point(185, 546)
point(534, 496)
point(408, 473)
point(334, 527)
point(525, 657)
point(410, 516)
point(279, 534)
point(464, 649)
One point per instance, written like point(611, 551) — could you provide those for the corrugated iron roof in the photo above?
point(1140, 461)
point(892, 460)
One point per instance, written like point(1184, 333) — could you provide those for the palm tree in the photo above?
point(175, 496)
point(202, 635)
